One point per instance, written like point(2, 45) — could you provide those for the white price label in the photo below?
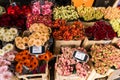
point(80, 56)
point(107, 42)
point(37, 50)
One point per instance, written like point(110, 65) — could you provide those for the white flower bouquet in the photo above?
point(8, 35)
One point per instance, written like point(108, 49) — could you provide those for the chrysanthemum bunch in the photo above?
point(38, 37)
point(8, 35)
point(8, 47)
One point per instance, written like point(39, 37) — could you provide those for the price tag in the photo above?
point(81, 56)
point(107, 42)
point(37, 50)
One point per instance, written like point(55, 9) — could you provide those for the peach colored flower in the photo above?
point(25, 39)
point(38, 43)
point(21, 46)
point(18, 39)
point(31, 42)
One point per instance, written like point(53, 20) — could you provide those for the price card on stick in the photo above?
point(81, 56)
point(37, 50)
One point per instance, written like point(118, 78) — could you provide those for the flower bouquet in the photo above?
point(39, 35)
point(66, 65)
point(8, 35)
point(105, 57)
point(6, 59)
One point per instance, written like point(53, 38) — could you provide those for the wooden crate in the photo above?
point(116, 3)
point(94, 75)
point(72, 76)
point(41, 76)
point(59, 43)
point(114, 41)
point(88, 43)
point(14, 78)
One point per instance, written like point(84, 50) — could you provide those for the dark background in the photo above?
point(97, 3)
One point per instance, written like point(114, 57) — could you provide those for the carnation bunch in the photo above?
point(104, 57)
point(67, 65)
point(110, 12)
point(10, 20)
point(8, 35)
point(5, 74)
point(45, 19)
point(44, 9)
point(100, 31)
point(5, 62)
point(17, 10)
point(40, 14)
point(15, 16)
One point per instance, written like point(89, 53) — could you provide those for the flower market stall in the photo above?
point(59, 40)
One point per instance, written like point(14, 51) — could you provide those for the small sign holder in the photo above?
point(80, 56)
point(37, 50)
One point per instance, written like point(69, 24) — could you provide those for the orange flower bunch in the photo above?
point(25, 59)
point(68, 31)
point(39, 35)
point(47, 56)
